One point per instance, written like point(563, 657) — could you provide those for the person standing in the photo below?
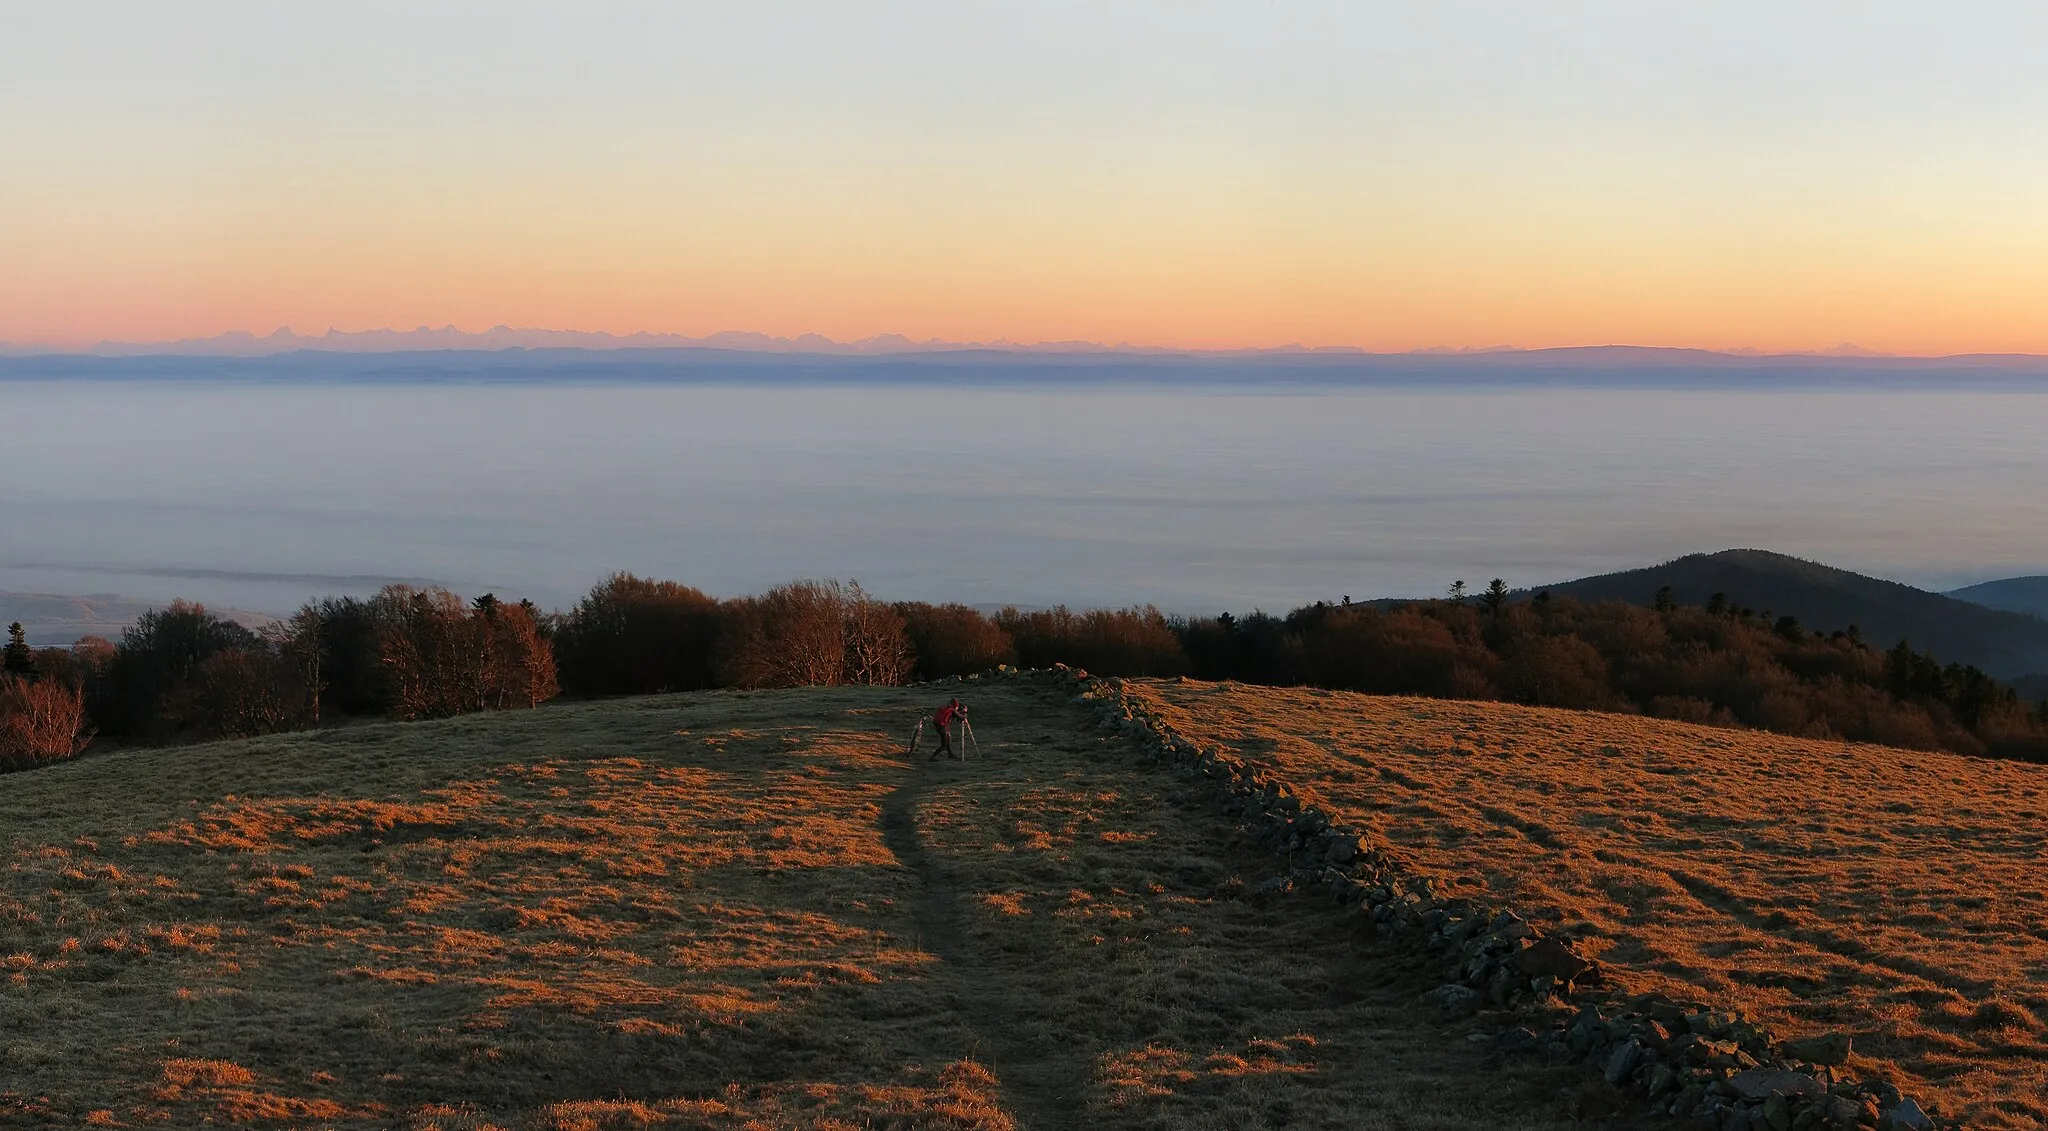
point(943, 718)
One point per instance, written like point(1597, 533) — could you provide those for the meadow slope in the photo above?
point(724, 910)
point(1900, 896)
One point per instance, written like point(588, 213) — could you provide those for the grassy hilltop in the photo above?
point(718, 910)
point(1899, 896)
point(740, 910)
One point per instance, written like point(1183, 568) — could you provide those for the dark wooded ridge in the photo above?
point(182, 674)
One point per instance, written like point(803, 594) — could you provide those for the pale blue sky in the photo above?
point(1383, 174)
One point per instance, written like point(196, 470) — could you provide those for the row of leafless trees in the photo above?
point(419, 653)
point(633, 635)
point(1714, 664)
point(182, 673)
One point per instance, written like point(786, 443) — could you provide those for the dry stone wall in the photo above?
point(1710, 1068)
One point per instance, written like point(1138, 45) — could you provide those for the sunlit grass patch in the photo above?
point(587, 916)
point(1820, 886)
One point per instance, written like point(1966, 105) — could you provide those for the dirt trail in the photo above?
point(1041, 1082)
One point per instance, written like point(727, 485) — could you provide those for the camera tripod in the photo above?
point(960, 749)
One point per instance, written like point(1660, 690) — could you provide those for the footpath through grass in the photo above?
point(708, 911)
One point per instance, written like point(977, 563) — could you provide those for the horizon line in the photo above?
point(503, 337)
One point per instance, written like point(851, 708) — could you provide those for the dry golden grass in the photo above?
point(1130, 975)
point(1898, 895)
point(716, 911)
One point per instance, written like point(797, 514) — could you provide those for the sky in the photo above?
point(1782, 176)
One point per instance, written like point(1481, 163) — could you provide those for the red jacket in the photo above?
point(944, 715)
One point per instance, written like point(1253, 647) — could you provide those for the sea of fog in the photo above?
point(260, 496)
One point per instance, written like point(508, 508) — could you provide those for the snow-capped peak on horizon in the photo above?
point(284, 339)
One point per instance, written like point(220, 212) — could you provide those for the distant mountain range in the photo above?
point(242, 343)
point(2014, 594)
point(2008, 644)
point(543, 357)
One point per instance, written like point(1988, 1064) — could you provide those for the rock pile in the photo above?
point(1708, 1067)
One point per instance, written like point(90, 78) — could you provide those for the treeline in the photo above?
point(1718, 664)
point(181, 673)
point(633, 636)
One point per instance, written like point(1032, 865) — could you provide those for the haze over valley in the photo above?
point(1196, 499)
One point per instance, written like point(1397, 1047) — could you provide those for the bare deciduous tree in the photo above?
point(239, 693)
point(299, 646)
point(815, 634)
point(953, 639)
point(634, 635)
point(443, 657)
point(40, 722)
point(878, 650)
point(522, 663)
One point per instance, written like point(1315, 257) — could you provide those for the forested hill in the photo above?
point(2005, 644)
point(2013, 594)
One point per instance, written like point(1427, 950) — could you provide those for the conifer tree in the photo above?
point(1495, 598)
point(20, 659)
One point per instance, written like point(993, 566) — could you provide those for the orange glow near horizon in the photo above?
point(1205, 264)
point(1387, 179)
point(1196, 298)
